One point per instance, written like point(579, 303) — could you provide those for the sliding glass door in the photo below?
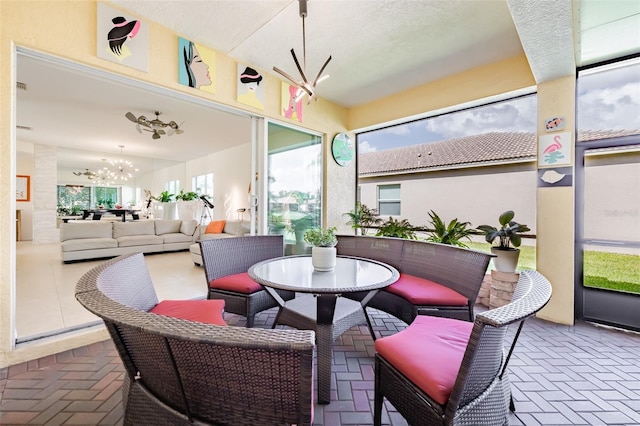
point(294, 185)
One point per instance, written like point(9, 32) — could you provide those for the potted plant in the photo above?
point(396, 228)
point(451, 234)
point(323, 252)
point(362, 218)
point(508, 234)
point(188, 204)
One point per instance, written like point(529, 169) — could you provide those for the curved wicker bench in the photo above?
point(186, 372)
point(468, 385)
point(454, 273)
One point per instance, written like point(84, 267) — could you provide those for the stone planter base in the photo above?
point(502, 286)
point(485, 291)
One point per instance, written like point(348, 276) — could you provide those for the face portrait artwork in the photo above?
point(250, 92)
point(195, 65)
point(122, 39)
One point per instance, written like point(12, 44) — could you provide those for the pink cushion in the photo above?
point(206, 311)
point(429, 353)
point(420, 291)
point(241, 283)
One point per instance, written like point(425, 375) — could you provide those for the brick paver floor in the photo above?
point(560, 375)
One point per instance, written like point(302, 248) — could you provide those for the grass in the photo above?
point(611, 271)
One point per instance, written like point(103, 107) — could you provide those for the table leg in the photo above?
point(326, 305)
point(364, 303)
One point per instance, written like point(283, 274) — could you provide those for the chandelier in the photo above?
point(121, 170)
point(305, 86)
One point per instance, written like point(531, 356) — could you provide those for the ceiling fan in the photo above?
point(86, 172)
point(155, 126)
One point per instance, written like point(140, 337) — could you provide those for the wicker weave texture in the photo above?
point(480, 395)
point(228, 256)
point(179, 370)
point(457, 268)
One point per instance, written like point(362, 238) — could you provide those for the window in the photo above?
point(203, 184)
point(173, 186)
point(105, 196)
point(72, 199)
point(389, 200)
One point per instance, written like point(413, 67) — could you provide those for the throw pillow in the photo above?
point(215, 227)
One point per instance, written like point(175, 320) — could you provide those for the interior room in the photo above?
point(68, 110)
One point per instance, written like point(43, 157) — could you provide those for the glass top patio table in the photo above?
point(321, 309)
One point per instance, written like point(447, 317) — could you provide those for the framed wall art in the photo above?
point(23, 188)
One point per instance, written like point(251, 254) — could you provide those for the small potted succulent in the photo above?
point(508, 234)
point(323, 252)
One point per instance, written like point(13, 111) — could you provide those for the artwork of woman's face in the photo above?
point(200, 69)
point(251, 87)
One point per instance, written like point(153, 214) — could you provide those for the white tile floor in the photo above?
point(45, 302)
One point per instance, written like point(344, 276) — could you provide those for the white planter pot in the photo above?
point(165, 211)
point(506, 260)
point(323, 259)
point(188, 210)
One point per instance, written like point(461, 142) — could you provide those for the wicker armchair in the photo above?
point(477, 393)
point(184, 372)
point(455, 268)
point(229, 259)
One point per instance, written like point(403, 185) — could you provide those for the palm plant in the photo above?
point(164, 197)
point(397, 228)
point(448, 234)
point(363, 218)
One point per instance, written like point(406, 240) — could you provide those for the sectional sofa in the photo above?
point(231, 229)
point(81, 240)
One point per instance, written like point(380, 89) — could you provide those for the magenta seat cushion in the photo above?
point(241, 283)
point(206, 311)
point(429, 353)
point(420, 291)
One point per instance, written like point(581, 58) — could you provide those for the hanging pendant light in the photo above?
point(122, 170)
point(305, 86)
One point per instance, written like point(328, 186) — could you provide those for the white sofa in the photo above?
point(99, 239)
point(231, 229)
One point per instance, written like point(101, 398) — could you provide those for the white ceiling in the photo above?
point(379, 47)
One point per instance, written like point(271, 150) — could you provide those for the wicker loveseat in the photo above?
point(443, 371)
point(435, 279)
point(186, 372)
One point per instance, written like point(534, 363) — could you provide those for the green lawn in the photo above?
point(614, 271)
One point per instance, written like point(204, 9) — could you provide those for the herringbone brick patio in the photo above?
point(560, 375)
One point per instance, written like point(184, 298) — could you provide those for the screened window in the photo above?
point(389, 200)
point(203, 184)
point(609, 100)
point(72, 199)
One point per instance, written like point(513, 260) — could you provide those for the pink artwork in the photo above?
point(291, 108)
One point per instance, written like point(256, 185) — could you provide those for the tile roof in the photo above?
point(477, 150)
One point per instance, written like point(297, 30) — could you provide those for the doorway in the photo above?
point(608, 232)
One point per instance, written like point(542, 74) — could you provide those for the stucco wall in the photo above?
point(475, 195)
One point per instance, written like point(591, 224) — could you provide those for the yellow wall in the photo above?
point(555, 216)
point(489, 80)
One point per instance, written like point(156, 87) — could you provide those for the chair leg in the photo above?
point(250, 319)
point(377, 398)
point(275, 320)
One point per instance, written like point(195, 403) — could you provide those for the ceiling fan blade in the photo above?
point(171, 131)
point(160, 132)
point(77, 173)
point(138, 128)
point(155, 135)
point(131, 117)
point(321, 70)
point(179, 131)
point(302, 74)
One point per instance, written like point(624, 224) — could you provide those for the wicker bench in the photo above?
point(435, 279)
point(185, 372)
point(442, 371)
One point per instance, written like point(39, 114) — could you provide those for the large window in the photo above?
point(72, 199)
point(173, 187)
point(389, 200)
point(203, 184)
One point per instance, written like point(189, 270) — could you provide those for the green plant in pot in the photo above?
point(186, 196)
point(451, 234)
point(508, 235)
point(164, 197)
point(323, 253)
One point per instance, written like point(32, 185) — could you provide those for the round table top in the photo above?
point(296, 273)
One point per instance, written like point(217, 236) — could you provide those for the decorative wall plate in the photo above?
point(342, 149)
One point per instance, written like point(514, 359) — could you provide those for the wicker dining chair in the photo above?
point(226, 262)
point(443, 371)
